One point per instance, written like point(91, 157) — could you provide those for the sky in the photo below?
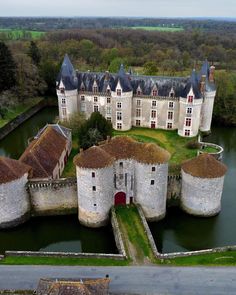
point(134, 8)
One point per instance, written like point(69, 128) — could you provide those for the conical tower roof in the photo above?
point(204, 166)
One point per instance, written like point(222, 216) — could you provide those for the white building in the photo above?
point(183, 104)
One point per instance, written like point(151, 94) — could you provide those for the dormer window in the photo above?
point(118, 92)
point(190, 99)
point(139, 92)
point(108, 91)
point(154, 92)
point(82, 88)
point(95, 89)
point(172, 94)
point(62, 90)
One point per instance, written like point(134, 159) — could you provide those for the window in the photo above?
point(138, 102)
point(153, 114)
point(188, 122)
point(108, 110)
point(119, 126)
point(119, 116)
point(118, 105)
point(108, 91)
point(172, 94)
point(153, 169)
point(152, 182)
point(118, 92)
point(154, 103)
point(94, 188)
point(93, 174)
point(95, 99)
point(82, 88)
point(139, 92)
point(63, 111)
point(95, 109)
point(169, 125)
point(82, 98)
point(187, 132)
point(138, 112)
point(154, 92)
point(82, 107)
point(62, 90)
point(109, 119)
point(95, 205)
point(138, 123)
point(108, 100)
point(170, 115)
point(95, 89)
point(190, 99)
point(121, 164)
point(63, 101)
point(171, 104)
point(189, 111)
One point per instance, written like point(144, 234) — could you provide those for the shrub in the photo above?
point(193, 145)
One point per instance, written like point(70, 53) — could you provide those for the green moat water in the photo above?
point(177, 232)
point(59, 233)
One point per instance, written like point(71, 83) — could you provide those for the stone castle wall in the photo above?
point(201, 196)
point(152, 197)
point(53, 197)
point(15, 205)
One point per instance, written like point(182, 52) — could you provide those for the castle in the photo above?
point(126, 100)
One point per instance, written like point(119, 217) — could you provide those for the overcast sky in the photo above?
point(149, 8)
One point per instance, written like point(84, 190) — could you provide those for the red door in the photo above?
point(120, 198)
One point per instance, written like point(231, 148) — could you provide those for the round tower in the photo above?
point(14, 199)
point(151, 176)
point(202, 185)
point(94, 170)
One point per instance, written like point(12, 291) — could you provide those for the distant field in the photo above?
point(159, 28)
point(19, 34)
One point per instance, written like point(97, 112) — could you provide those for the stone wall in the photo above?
point(53, 197)
point(14, 200)
point(152, 197)
point(201, 196)
point(174, 190)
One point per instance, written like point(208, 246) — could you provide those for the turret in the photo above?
point(190, 105)
point(122, 93)
point(67, 83)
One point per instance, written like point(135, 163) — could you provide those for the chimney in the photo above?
point(203, 84)
point(212, 74)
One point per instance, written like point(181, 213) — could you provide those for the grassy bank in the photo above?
point(70, 170)
point(11, 260)
point(16, 110)
point(134, 236)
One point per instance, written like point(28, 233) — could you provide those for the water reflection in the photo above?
point(182, 232)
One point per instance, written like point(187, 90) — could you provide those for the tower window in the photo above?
point(94, 188)
point(119, 116)
point(187, 132)
point(153, 169)
point(188, 122)
point(138, 123)
point(119, 126)
point(95, 99)
point(171, 104)
point(152, 182)
point(93, 174)
point(108, 100)
point(118, 92)
point(170, 115)
point(169, 126)
point(118, 105)
point(190, 99)
point(189, 111)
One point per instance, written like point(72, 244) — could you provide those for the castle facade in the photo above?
point(126, 100)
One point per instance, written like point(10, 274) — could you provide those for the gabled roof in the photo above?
point(11, 169)
point(44, 152)
point(204, 166)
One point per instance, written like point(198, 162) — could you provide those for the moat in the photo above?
point(177, 232)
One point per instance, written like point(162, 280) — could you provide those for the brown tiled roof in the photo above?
point(204, 166)
point(11, 170)
point(121, 147)
point(94, 157)
point(73, 287)
point(44, 153)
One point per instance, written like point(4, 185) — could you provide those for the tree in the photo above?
point(34, 53)
point(8, 68)
point(96, 122)
point(75, 122)
point(150, 68)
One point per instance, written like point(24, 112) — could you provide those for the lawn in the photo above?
point(13, 34)
point(70, 170)
point(13, 112)
point(227, 258)
point(159, 28)
point(133, 234)
point(167, 139)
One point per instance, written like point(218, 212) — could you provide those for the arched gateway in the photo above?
point(120, 198)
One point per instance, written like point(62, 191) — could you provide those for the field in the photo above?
point(159, 28)
point(20, 34)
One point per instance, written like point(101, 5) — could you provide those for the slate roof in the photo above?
point(204, 166)
point(11, 169)
point(121, 147)
point(129, 82)
point(73, 287)
point(44, 152)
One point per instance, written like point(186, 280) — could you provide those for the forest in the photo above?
point(35, 61)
